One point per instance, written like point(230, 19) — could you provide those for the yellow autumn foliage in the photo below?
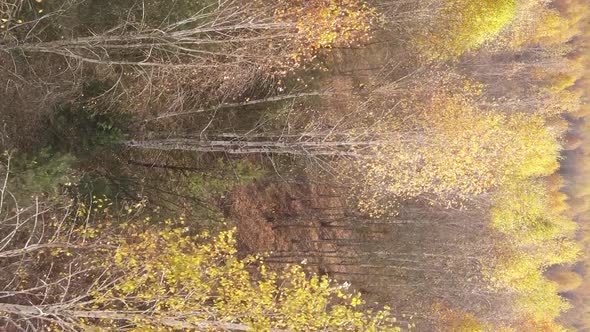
point(200, 280)
point(462, 26)
point(326, 24)
point(444, 148)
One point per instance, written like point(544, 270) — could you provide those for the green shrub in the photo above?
point(224, 177)
point(85, 125)
point(47, 173)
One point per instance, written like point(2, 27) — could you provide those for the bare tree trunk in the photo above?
point(305, 148)
point(202, 40)
point(232, 105)
point(65, 315)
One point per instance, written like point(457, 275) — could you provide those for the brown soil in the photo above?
point(284, 217)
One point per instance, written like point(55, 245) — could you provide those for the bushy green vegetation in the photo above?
point(45, 173)
point(225, 176)
point(87, 124)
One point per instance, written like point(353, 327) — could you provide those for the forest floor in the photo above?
point(277, 153)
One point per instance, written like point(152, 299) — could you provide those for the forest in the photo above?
point(295, 165)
